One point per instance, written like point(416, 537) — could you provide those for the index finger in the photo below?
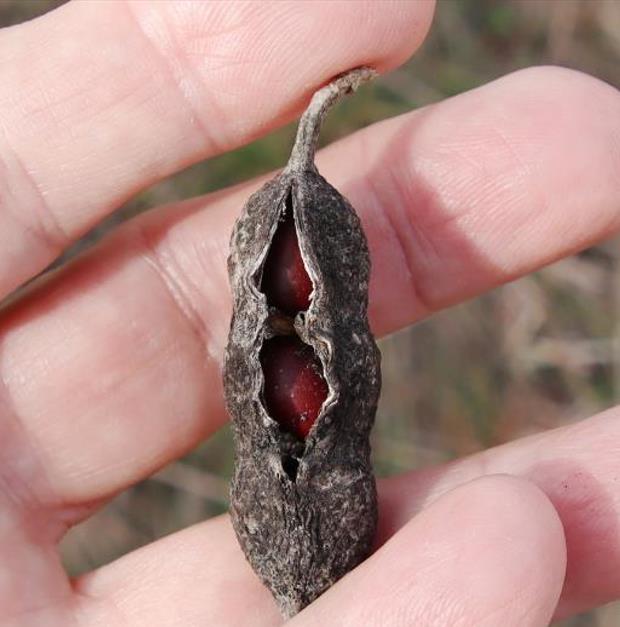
point(101, 99)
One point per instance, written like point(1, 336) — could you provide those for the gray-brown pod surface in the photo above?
point(302, 375)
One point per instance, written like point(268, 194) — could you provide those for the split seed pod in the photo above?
point(302, 375)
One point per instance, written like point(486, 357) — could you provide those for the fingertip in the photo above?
point(508, 508)
point(403, 34)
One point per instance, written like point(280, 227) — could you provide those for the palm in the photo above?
point(110, 366)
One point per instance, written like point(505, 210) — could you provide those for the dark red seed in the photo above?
point(285, 279)
point(294, 386)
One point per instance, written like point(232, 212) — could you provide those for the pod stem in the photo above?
point(302, 155)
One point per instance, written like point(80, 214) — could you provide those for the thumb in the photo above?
point(491, 552)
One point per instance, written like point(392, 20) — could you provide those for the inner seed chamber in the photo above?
point(294, 385)
point(285, 281)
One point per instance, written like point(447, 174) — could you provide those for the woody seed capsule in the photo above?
point(302, 375)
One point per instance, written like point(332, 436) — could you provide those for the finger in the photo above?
point(576, 467)
point(196, 577)
point(100, 99)
point(484, 187)
point(33, 583)
point(489, 553)
point(149, 309)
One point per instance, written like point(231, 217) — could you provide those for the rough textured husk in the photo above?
point(302, 532)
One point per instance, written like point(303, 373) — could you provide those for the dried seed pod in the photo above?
point(302, 375)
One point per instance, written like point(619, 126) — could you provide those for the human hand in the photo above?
point(110, 366)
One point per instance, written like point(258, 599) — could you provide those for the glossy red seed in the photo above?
point(294, 386)
point(286, 282)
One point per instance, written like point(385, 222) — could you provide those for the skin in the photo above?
point(110, 367)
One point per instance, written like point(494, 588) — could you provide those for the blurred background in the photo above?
point(538, 353)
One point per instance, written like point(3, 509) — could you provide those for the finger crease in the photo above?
point(174, 286)
point(24, 483)
point(174, 80)
point(45, 226)
point(391, 215)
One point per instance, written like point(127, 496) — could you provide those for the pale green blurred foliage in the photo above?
point(541, 352)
